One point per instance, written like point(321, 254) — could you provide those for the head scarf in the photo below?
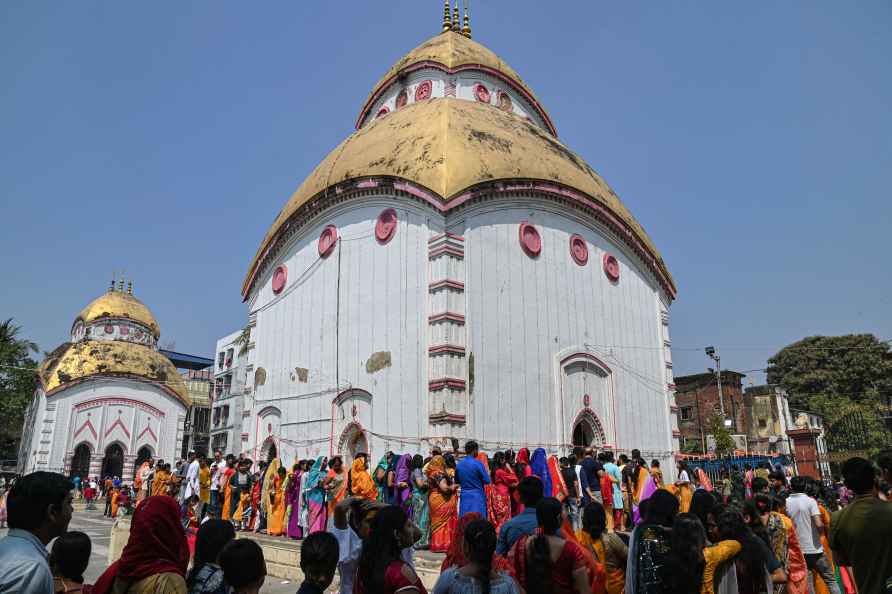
point(539, 465)
point(402, 468)
point(559, 488)
point(481, 457)
point(361, 482)
point(703, 479)
point(437, 466)
point(314, 492)
point(269, 479)
point(523, 456)
point(157, 544)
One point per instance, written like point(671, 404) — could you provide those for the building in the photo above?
point(450, 271)
point(697, 398)
point(107, 399)
point(228, 403)
point(767, 419)
point(197, 373)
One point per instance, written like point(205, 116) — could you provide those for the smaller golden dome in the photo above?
point(454, 51)
point(117, 304)
point(74, 361)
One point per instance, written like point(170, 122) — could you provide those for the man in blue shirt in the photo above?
point(472, 476)
point(531, 491)
point(39, 509)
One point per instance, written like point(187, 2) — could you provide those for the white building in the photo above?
point(228, 403)
point(452, 270)
point(106, 400)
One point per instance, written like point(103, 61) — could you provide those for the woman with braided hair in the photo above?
point(478, 573)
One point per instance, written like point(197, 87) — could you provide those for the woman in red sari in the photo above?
point(532, 558)
point(558, 486)
point(503, 482)
point(455, 556)
point(156, 554)
point(521, 470)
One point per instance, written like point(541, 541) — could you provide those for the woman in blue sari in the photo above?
point(539, 466)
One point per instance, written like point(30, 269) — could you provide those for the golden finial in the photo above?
point(111, 289)
point(130, 287)
point(447, 22)
point(466, 28)
point(456, 18)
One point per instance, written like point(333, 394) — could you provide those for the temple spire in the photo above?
point(111, 289)
point(466, 28)
point(447, 21)
point(456, 18)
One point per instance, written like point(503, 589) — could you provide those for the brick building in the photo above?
point(697, 398)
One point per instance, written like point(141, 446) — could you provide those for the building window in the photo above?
point(687, 413)
point(216, 417)
point(763, 423)
point(225, 415)
point(221, 357)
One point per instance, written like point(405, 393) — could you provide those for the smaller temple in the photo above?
point(107, 399)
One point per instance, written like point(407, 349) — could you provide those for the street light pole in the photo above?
point(710, 352)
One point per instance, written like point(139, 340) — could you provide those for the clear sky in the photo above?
point(753, 140)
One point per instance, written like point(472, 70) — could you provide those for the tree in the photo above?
point(724, 443)
point(835, 376)
point(18, 381)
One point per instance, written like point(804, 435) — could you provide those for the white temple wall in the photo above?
point(526, 314)
point(89, 413)
point(356, 319)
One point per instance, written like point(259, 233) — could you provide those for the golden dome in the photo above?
point(118, 304)
point(449, 146)
point(453, 51)
point(74, 361)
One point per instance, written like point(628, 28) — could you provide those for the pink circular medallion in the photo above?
point(327, 240)
point(383, 112)
point(611, 267)
point(578, 249)
point(423, 90)
point(505, 102)
point(530, 240)
point(109, 328)
point(125, 330)
point(280, 277)
point(386, 225)
point(402, 99)
point(481, 93)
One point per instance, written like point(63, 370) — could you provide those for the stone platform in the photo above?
point(282, 555)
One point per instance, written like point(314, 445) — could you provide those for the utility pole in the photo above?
point(712, 354)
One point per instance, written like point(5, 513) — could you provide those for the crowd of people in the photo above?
point(588, 523)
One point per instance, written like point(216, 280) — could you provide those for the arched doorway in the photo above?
point(143, 455)
point(80, 461)
point(353, 441)
point(268, 452)
point(583, 434)
point(587, 430)
point(113, 463)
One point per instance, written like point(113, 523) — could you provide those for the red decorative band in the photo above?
point(447, 382)
point(447, 283)
point(447, 316)
point(121, 401)
point(447, 249)
point(447, 234)
point(443, 417)
point(447, 348)
point(244, 437)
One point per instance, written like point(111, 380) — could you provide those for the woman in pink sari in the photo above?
point(292, 501)
point(314, 497)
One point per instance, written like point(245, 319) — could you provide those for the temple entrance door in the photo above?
point(142, 455)
point(356, 444)
point(80, 462)
point(583, 434)
point(269, 452)
point(113, 463)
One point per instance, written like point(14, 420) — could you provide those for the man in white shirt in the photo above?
point(191, 477)
point(39, 509)
point(806, 516)
point(217, 469)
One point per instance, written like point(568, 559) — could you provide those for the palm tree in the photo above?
point(13, 348)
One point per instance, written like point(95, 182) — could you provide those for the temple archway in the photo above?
point(353, 441)
point(113, 463)
point(587, 430)
point(80, 461)
point(143, 455)
point(269, 452)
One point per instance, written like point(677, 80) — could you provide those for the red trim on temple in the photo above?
point(447, 316)
point(447, 382)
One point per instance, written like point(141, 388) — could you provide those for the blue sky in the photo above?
point(752, 140)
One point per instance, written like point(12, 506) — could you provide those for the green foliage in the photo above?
point(243, 339)
point(724, 443)
point(837, 376)
point(16, 385)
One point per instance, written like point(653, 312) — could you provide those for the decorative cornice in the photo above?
point(446, 283)
point(447, 316)
point(452, 349)
point(442, 383)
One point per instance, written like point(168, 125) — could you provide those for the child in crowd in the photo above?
point(244, 567)
point(68, 561)
point(318, 561)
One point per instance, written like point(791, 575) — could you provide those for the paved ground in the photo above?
point(99, 530)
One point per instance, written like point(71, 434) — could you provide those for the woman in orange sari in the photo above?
point(335, 484)
point(116, 495)
point(685, 490)
point(442, 502)
point(558, 487)
point(361, 483)
point(276, 521)
point(226, 492)
point(161, 482)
